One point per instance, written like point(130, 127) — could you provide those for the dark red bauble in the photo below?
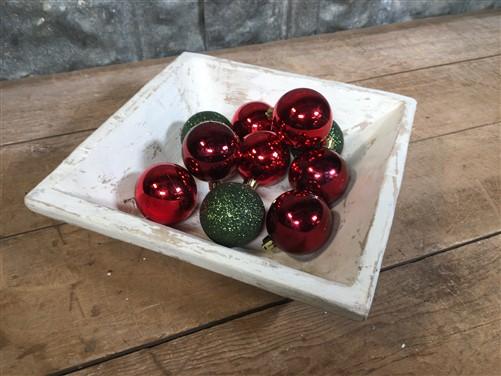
point(166, 193)
point(303, 118)
point(210, 151)
point(321, 171)
point(299, 222)
point(252, 117)
point(263, 158)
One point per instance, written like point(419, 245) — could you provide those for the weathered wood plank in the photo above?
point(450, 193)
point(22, 167)
point(450, 98)
point(38, 107)
point(438, 316)
point(58, 104)
point(45, 273)
point(437, 213)
point(443, 106)
point(69, 295)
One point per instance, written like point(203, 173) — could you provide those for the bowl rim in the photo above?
point(353, 300)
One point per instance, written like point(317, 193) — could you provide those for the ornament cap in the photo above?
point(335, 139)
point(213, 184)
point(269, 113)
point(330, 143)
point(252, 183)
point(268, 244)
point(131, 201)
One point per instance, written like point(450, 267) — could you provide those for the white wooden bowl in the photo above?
point(89, 187)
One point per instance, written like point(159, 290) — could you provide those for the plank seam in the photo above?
point(418, 69)
point(93, 129)
point(440, 251)
point(262, 308)
point(455, 132)
point(9, 236)
point(47, 137)
point(320, 76)
point(172, 337)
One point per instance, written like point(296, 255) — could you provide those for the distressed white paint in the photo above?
point(89, 187)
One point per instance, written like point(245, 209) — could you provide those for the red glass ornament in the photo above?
point(303, 118)
point(299, 222)
point(210, 151)
point(263, 158)
point(321, 171)
point(252, 117)
point(166, 193)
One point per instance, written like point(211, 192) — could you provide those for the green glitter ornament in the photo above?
point(334, 140)
point(232, 214)
point(201, 117)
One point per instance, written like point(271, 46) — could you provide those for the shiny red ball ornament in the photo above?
point(321, 171)
point(264, 158)
point(166, 193)
point(252, 117)
point(303, 117)
point(299, 222)
point(210, 151)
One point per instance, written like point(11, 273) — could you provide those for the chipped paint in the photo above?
point(89, 187)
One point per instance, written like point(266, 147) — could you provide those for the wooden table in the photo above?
point(71, 299)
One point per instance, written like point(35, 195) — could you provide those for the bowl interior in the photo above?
point(106, 173)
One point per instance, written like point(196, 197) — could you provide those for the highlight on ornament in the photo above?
point(303, 117)
point(210, 151)
point(252, 117)
point(166, 193)
point(298, 222)
point(320, 171)
point(264, 158)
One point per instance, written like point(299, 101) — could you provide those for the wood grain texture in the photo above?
point(450, 98)
point(437, 208)
point(450, 193)
point(79, 100)
point(438, 316)
point(69, 295)
point(22, 167)
point(472, 87)
point(84, 99)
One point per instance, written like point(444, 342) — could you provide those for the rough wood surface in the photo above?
point(450, 193)
point(84, 99)
point(450, 98)
point(22, 167)
point(437, 208)
point(69, 295)
point(438, 316)
point(472, 87)
point(51, 280)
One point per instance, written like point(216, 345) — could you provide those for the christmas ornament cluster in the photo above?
point(257, 143)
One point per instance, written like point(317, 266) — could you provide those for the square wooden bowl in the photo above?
point(89, 187)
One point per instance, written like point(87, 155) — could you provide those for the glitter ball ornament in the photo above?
point(264, 158)
point(210, 151)
point(321, 171)
point(252, 117)
point(232, 214)
point(335, 139)
point(166, 193)
point(202, 117)
point(303, 118)
point(299, 222)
